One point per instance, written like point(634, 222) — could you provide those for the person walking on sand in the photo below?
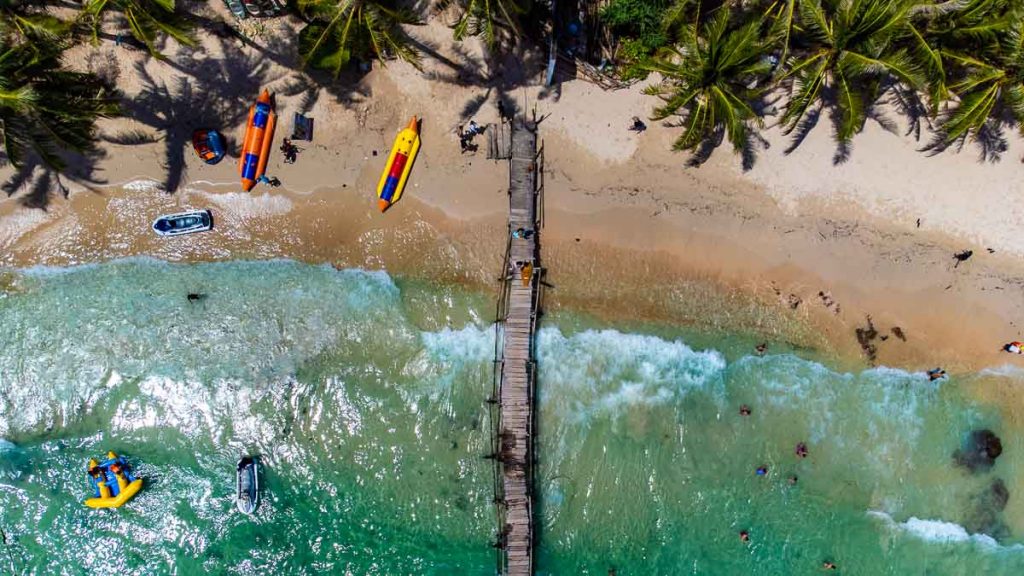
point(935, 374)
point(637, 125)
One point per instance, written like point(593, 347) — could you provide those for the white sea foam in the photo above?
point(1004, 371)
point(938, 531)
point(469, 344)
point(143, 185)
point(604, 371)
point(18, 223)
point(64, 349)
point(245, 205)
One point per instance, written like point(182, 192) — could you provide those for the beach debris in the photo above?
point(637, 125)
point(979, 452)
point(828, 301)
point(898, 332)
point(302, 127)
point(865, 337)
point(962, 257)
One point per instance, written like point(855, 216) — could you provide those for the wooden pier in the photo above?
point(512, 404)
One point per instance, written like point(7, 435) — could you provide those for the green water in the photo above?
point(364, 397)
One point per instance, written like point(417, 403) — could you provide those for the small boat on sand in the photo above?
point(209, 145)
point(247, 485)
point(183, 223)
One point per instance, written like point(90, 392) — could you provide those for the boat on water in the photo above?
point(247, 485)
point(112, 481)
point(399, 164)
point(183, 223)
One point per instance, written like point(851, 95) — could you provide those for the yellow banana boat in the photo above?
point(396, 171)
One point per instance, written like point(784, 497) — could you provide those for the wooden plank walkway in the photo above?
point(516, 327)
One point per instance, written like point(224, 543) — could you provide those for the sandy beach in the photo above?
point(728, 377)
point(712, 247)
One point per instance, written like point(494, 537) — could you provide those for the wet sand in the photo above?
point(631, 234)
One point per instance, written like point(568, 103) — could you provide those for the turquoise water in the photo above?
point(364, 397)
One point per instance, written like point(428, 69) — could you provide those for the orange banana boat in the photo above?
point(259, 132)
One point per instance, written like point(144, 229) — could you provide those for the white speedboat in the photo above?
point(247, 485)
point(183, 223)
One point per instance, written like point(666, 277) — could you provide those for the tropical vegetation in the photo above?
point(960, 61)
point(491, 20)
point(147, 20)
point(342, 31)
point(46, 109)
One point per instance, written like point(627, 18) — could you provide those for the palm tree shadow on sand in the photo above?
point(205, 93)
point(35, 183)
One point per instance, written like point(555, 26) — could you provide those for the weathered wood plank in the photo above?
point(517, 337)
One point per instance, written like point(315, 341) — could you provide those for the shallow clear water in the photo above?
point(364, 397)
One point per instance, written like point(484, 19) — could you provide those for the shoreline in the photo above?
point(632, 234)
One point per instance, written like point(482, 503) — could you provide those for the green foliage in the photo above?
point(21, 22)
point(851, 49)
point(639, 22)
point(711, 80)
point(342, 30)
point(46, 109)
point(148, 20)
point(487, 19)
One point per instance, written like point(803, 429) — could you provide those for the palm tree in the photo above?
point(488, 19)
point(23, 22)
point(970, 49)
point(712, 79)
point(148, 20)
point(45, 109)
point(849, 48)
point(340, 30)
point(991, 86)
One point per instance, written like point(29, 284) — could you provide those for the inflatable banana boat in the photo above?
point(396, 171)
point(112, 481)
point(259, 132)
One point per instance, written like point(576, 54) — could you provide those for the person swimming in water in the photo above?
point(761, 471)
point(745, 410)
point(801, 450)
point(744, 536)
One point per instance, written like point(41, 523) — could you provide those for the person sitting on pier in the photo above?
point(522, 233)
point(527, 273)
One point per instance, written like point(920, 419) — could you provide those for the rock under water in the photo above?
point(979, 452)
point(986, 509)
